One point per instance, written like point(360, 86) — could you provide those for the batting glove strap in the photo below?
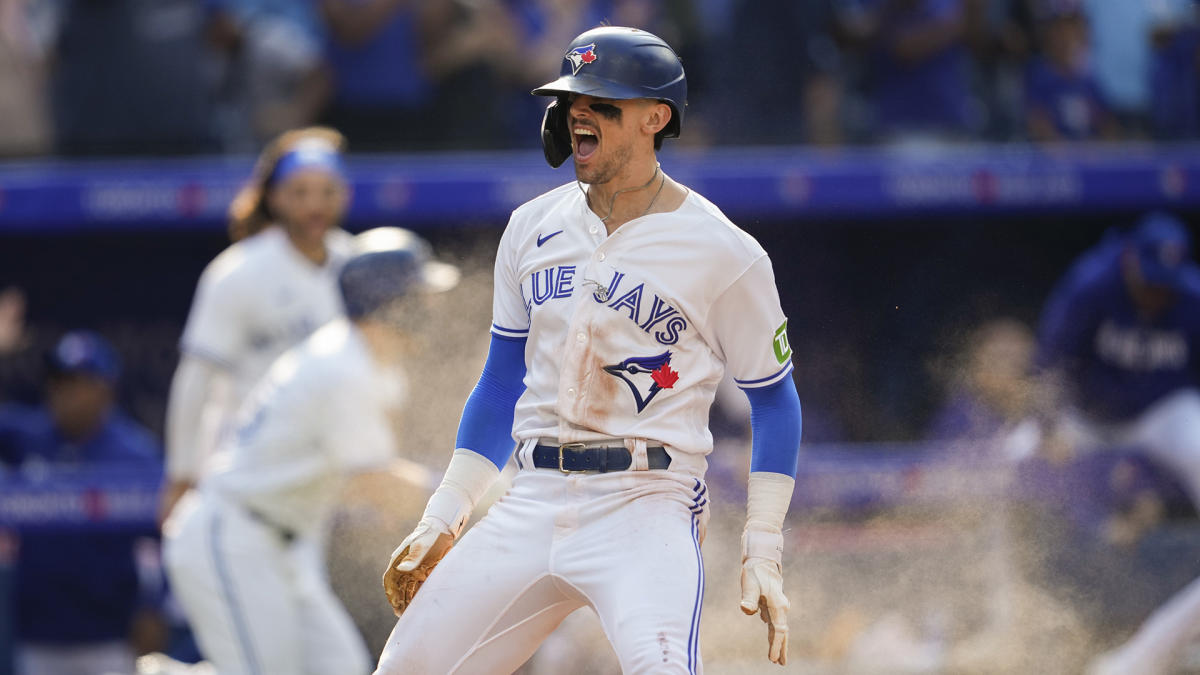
point(762, 544)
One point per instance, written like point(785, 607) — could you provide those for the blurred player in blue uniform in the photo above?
point(78, 596)
point(1120, 338)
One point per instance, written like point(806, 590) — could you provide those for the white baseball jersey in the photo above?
point(258, 298)
point(322, 412)
point(258, 599)
point(629, 334)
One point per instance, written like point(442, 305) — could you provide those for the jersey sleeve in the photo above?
point(215, 325)
point(751, 329)
point(510, 314)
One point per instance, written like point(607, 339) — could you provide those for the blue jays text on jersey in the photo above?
point(653, 314)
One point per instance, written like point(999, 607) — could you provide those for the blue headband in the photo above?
point(309, 156)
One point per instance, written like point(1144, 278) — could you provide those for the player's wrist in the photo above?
point(447, 511)
point(764, 545)
point(467, 479)
point(768, 497)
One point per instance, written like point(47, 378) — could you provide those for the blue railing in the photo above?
point(446, 189)
point(837, 476)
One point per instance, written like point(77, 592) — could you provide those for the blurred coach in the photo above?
point(78, 597)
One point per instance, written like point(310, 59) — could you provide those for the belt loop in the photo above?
point(525, 453)
point(637, 448)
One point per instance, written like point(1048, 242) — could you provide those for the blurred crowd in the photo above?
point(210, 76)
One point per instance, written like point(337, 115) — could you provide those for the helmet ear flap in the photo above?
point(556, 138)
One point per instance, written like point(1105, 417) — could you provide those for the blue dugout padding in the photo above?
point(96, 499)
point(846, 477)
point(449, 189)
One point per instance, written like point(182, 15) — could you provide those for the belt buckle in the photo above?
point(569, 446)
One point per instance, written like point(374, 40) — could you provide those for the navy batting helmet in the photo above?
point(388, 263)
point(618, 63)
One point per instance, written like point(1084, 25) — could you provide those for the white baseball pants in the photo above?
point(627, 544)
point(258, 605)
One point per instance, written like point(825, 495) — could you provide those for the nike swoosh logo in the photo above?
point(542, 240)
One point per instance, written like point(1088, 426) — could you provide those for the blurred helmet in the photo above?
point(1163, 247)
point(87, 353)
point(388, 263)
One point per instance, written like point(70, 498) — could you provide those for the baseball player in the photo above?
point(620, 300)
point(244, 551)
point(259, 297)
point(1122, 334)
point(79, 600)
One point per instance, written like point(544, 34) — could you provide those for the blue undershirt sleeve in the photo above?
point(487, 418)
point(775, 425)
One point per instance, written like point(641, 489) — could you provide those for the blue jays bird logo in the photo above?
point(581, 56)
point(657, 367)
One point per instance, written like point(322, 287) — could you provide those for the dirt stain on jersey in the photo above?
point(602, 388)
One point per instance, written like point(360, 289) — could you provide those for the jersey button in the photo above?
point(570, 392)
point(580, 338)
point(593, 229)
point(600, 256)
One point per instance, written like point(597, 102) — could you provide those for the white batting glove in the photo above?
point(768, 495)
point(762, 588)
point(467, 479)
point(413, 560)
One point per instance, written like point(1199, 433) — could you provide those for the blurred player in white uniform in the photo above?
point(620, 300)
point(244, 550)
point(268, 291)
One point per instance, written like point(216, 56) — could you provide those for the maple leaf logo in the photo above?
point(588, 56)
point(664, 377)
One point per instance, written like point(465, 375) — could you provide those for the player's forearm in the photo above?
point(487, 418)
point(776, 424)
point(190, 407)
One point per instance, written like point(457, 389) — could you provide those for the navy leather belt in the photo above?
point(578, 458)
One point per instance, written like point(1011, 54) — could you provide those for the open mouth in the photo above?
point(586, 142)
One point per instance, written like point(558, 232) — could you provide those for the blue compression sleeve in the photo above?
point(775, 425)
point(487, 417)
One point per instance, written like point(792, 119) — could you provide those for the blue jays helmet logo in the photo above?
point(581, 56)
point(657, 367)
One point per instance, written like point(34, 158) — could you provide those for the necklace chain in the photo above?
point(612, 202)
